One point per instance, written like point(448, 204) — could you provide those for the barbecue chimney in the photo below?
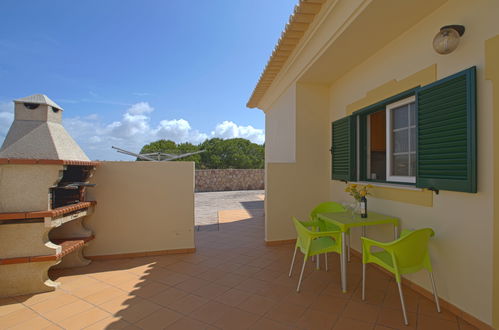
point(37, 132)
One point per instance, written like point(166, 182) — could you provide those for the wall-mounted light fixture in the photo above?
point(447, 39)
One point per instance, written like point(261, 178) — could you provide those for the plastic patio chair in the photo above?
point(312, 243)
point(329, 207)
point(408, 254)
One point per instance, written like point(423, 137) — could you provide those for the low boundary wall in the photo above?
point(229, 179)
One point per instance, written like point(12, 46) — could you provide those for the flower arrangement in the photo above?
point(357, 191)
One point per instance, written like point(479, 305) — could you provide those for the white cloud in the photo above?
point(6, 118)
point(140, 108)
point(134, 130)
point(179, 130)
point(229, 130)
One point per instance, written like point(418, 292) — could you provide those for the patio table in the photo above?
point(345, 221)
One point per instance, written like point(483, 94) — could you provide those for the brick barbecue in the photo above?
point(44, 175)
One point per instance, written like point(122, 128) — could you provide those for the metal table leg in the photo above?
point(343, 262)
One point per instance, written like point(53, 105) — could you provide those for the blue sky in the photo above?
point(129, 72)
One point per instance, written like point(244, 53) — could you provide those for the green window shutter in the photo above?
point(446, 134)
point(343, 149)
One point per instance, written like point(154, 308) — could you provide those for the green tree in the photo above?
point(218, 153)
point(231, 153)
point(166, 146)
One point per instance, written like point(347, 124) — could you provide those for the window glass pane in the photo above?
point(413, 139)
point(412, 168)
point(401, 141)
point(400, 165)
point(376, 169)
point(413, 113)
point(400, 117)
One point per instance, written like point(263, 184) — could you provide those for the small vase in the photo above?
point(356, 209)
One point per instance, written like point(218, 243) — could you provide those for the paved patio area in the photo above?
point(233, 281)
point(208, 204)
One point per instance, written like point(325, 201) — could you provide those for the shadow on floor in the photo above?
point(232, 281)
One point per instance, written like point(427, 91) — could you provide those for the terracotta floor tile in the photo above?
point(131, 285)
point(394, 318)
point(84, 319)
point(433, 323)
point(233, 297)
point(211, 290)
point(136, 309)
point(345, 323)
point(267, 324)
point(212, 274)
point(463, 325)
point(35, 322)
point(230, 279)
point(85, 291)
point(392, 299)
point(83, 282)
point(252, 286)
point(150, 288)
point(236, 319)
point(168, 277)
point(106, 295)
point(381, 327)
point(64, 312)
point(373, 295)
point(168, 296)
point(187, 304)
point(210, 312)
point(159, 319)
point(111, 322)
point(189, 324)
point(303, 299)
point(53, 303)
point(315, 320)
point(257, 304)
point(428, 308)
point(192, 284)
point(32, 299)
point(329, 304)
point(16, 317)
point(246, 270)
point(117, 304)
point(334, 289)
point(361, 311)
point(286, 313)
point(9, 305)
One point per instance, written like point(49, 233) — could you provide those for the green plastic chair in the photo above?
point(329, 207)
point(408, 254)
point(312, 243)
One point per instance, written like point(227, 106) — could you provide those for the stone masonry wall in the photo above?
point(229, 179)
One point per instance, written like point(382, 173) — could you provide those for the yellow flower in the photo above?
point(354, 185)
point(363, 193)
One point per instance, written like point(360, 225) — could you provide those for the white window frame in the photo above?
point(389, 142)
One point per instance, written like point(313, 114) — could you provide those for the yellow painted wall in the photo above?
point(280, 125)
point(492, 74)
point(455, 217)
point(292, 189)
point(142, 207)
point(464, 272)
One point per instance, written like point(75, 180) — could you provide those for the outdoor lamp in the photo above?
point(447, 39)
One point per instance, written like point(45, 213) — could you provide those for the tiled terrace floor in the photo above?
point(233, 281)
